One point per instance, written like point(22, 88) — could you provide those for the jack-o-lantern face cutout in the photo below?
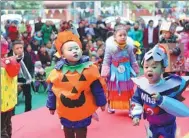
point(73, 103)
point(67, 102)
point(72, 87)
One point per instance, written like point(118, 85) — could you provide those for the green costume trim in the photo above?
point(79, 68)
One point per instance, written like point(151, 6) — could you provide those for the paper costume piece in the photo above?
point(175, 63)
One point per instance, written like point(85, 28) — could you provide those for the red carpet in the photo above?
point(40, 124)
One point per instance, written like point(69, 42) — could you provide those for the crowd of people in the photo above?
point(117, 53)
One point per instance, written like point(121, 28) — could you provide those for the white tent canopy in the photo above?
point(6, 17)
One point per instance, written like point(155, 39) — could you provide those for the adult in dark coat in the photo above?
point(38, 25)
point(24, 77)
point(150, 36)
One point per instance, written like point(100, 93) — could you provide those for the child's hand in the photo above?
point(52, 112)
point(136, 121)
point(156, 96)
point(95, 116)
point(171, 51)
point(103, 108)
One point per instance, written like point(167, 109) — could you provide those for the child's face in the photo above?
point(153, 71)
point(29, 49)
point(87, 47)
point(100, 52)
point(89, 37)
point(35, 42)
point(71, 51)
point(39, 34)
point(120, 36)
point(166, 34)
point(99, 42)
point(43, 50)
point(93, 59)
point(49, 45)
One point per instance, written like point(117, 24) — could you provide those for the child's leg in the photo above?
point(169, 131)
point(37, 85)
point(95, 116)
point(81, 132)
point(155, 132)
point(110, 110)
point(69, 132)
point(6, 124)
point(44, 85)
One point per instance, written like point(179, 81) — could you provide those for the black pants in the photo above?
point(75, 132)
point(6, 124)
point(28, 97)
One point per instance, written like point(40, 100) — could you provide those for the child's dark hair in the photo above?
point(110, 33)
point(142, 63)
point(119, 27)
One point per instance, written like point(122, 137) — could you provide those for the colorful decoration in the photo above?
point(9, 70)
point(176, 63)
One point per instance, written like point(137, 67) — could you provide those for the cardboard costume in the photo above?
point(73, 89)
point(9, 71)
point(160, 114)
point(175, 61)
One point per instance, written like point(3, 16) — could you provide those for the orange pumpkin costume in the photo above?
point(72, 85)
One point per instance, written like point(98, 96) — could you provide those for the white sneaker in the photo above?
point(111, 111)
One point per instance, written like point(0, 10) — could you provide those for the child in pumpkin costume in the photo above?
point(119, 65)
point(9, 71)
point(75, 87)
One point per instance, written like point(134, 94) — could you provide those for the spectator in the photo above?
point(7, 24)
point(101, 26)
point(38, 37)
point(50, 49)
point(54, 27)
point(28, 28)
point(33, 56)
point(44, 57)
point(150, 36)
point(72, 28)
point(35, 45)
point(46, 30)
point(13, 33)
point(38, 25)
point(22, 27)
point(26, 38)
point(81, 31)
point(90, 31)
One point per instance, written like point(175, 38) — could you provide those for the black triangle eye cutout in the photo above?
point(82, 78)
point(65, 79)
point(74, 90)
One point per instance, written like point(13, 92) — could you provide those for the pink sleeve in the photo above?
point(136, 67)
point(105, 71)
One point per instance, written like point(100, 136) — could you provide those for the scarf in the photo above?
point(121, 46)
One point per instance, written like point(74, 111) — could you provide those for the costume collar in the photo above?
point(121, 46)
point(173, 81)
point(83, 63)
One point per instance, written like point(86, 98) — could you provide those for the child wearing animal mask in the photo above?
point(119, 65)
point(76, 89)
point(157, 98)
